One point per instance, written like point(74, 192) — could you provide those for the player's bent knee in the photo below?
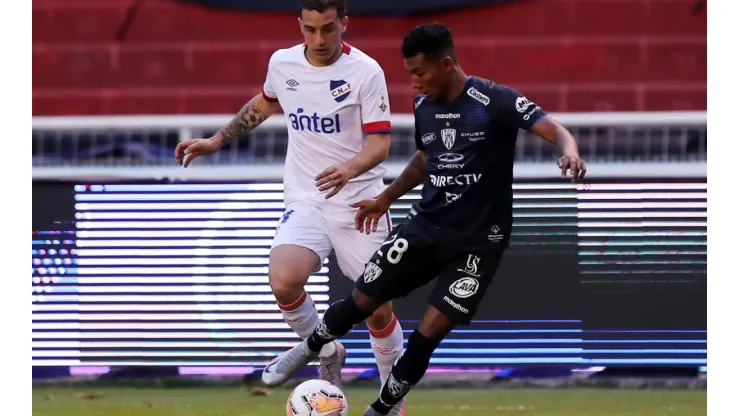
point(286, 293)
point(434, 324)
point(287, 285)
point(364, 302)
point(381, 318)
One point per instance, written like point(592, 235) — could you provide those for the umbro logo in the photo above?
point(292, 84)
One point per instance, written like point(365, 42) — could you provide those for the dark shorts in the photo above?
point(408, 260)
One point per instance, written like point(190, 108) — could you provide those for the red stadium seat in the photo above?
point(570, 55)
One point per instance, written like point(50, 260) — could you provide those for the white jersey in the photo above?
point(329, 111)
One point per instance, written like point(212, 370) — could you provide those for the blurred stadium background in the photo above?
point(142, 268)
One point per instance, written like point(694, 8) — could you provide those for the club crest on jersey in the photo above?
point(340, 90)
point(448, 137)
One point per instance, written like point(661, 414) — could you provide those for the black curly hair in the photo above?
point(433, 40)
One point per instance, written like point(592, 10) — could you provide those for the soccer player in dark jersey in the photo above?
point(466, 129)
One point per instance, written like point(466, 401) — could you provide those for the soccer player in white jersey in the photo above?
point(338, 117)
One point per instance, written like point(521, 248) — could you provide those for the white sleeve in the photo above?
point(268, 89)
point(375, 106)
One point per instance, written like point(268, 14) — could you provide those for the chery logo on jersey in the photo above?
point(450, 161)
point(450, 157)
point(462, 179)
point(340, 90)
point(314, 123)
point(465, 287)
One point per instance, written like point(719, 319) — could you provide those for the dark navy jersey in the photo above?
point(469, 142)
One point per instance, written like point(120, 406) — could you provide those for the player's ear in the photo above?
point(344, 22)
point(448, 64)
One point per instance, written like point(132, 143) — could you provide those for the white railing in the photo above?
point(189, 123)
point(107, 147)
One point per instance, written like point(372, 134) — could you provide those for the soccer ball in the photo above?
point(316, 398)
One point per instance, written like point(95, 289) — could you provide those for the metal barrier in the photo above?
point(664, 143)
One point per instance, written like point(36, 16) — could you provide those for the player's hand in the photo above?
point(333, 177)
point(370, 211)
point(188, 150)
point(575, 165)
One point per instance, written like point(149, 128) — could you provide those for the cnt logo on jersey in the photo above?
point(340, 90)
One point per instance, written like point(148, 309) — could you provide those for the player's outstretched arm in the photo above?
point(254, 113)
point(371, 210)
point(549, 129)
point(409, 179)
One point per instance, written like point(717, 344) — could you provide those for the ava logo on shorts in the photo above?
point(340, 90)
point(464, 287)
point(372, 272)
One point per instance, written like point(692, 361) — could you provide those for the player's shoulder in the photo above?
point(419, 101)
point(486, 91)
point(481, 90)
point(287, 55)
point(358, 59)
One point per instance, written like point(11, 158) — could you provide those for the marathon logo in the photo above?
point(446, 116)
point(456, 305)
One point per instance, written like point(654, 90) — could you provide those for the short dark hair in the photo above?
point(434, 40)
point(323, 5)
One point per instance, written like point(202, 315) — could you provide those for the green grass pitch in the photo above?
point(221, 401)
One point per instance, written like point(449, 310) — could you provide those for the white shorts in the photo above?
point(324, 230)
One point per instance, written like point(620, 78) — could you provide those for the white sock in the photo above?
point(303, 318)
point(301, 315)
point(387, 346)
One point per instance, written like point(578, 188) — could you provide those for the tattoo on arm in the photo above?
point(246, 120)
point(411, 176)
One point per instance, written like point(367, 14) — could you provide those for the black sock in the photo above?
point(338, 321)
point(407, 371)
